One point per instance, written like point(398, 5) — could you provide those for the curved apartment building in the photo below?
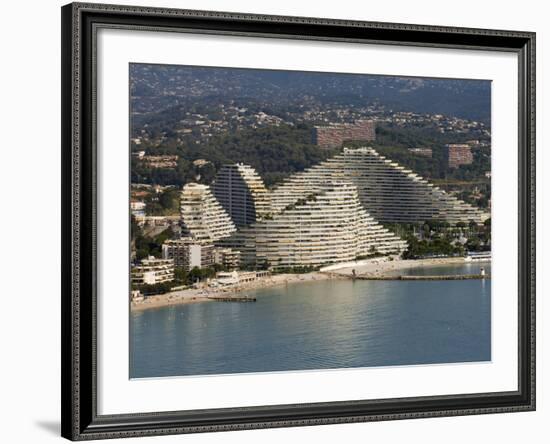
point(388, 191)
point(241, 192)
point(328, 225)
point(202, 216)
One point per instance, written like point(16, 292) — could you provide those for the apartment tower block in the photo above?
point(242, 194)
point(332, 136)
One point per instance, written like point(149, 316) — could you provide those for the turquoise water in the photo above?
point(319, 325)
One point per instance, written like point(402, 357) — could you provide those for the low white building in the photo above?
point(238, 277)
point(138, 208)
point(227, 277)
point(136, 296)
point(153, 271)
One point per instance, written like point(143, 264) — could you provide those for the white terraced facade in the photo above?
point(241, 192)
point(388, 191)
point(327, 226)
point(153, 271)
point(202, 216)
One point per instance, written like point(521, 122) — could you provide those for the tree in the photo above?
point(151, 289)
point(180, 275)
point(195, 275)
point(135, 229)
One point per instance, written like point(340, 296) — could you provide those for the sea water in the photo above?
point(320, 325)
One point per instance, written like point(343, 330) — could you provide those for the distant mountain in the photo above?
point(158, 87)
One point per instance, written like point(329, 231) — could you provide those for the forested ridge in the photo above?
point(274, 152)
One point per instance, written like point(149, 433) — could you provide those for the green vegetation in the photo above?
point(436, 237)
point(184, 277)
point(477, 194)
point(146, 246)
point(422, 248)
point(275, 152)
point(200, 274)
point(166, 203)
point(180, 276)
point(151, 289)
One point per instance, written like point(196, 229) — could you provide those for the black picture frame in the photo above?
point(80, 420)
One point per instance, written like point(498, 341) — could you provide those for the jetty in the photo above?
point(227, 298)
point(450, 277)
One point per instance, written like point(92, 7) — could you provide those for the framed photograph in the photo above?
point(281, 221)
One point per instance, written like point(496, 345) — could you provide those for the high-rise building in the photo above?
point(241, 192)
point(325, 226)
point(388, 191)
point(332, 136)
point(458, 154)
point(202, 217)
point(188, 253)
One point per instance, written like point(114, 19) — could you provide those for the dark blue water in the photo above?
point(318, 325)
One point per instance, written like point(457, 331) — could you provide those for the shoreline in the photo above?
point(208, 294)
point(379, 268)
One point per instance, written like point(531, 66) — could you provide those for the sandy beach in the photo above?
point(374, 267)
point(206, 294)
point(382, 266)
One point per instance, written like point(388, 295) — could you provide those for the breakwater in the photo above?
point(451, 277)
point(232, 298)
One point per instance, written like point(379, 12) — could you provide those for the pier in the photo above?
point(450, 277)
point(232, 298)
